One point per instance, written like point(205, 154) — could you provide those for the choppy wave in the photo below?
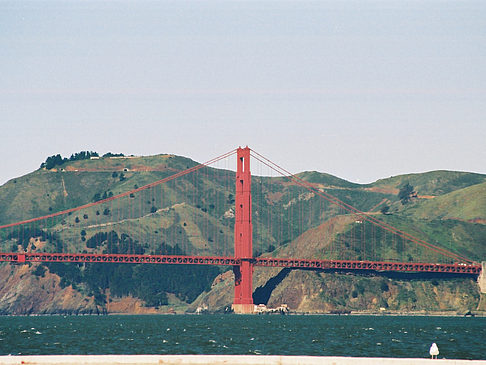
point(230, 334)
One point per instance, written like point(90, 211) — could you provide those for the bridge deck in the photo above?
point(457, 268)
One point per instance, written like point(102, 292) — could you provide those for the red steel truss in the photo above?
point(117, 258)
point(378, 266)
point(474, 269)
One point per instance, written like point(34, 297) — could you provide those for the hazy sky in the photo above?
point(359, 89)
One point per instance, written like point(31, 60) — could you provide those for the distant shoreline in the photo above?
point(480, 314)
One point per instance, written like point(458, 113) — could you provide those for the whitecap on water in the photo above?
point(38, 333)
point(212, 341)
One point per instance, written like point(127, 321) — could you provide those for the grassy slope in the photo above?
point(45, 191)
point(433, 182)
point(326, 179)
point(464, 204)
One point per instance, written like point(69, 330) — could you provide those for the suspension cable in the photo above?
point(127, 193)
point(350, 208)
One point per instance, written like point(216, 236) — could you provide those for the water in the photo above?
point(463, 338)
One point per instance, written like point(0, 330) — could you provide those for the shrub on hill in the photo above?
point(57, 160)
point(406, 193)
point(109, 154)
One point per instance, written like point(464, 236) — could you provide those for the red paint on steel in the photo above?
point(118, 258)
point(243, 231)
point(458, 268)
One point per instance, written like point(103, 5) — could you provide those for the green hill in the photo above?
point(76, 183)
point(193, 215)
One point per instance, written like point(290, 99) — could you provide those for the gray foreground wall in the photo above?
point(221, 360)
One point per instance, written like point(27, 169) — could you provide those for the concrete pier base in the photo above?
point(482, 278)
point(221, 360)
point(243, 308)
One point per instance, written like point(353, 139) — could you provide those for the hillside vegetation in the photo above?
point(467, 204)
point(194, 216)
point(434, 182)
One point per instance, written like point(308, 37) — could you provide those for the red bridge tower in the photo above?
point(243, 301)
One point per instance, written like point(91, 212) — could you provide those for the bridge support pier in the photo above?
point(243, 300)
point(482, 278)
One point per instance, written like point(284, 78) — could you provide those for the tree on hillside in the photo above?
point(53, 161)
point(56, 160)
point(83, 155)
point(385, 209)
point(109, 154)
point(406, 193)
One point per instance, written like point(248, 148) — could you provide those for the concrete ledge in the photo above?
point(221, 360)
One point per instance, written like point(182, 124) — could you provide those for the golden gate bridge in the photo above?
point(187, 216)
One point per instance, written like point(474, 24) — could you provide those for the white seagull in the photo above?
point(434, 350)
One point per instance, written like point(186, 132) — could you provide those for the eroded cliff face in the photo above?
point(321, 292)
point(23, 292)
point(28, 290)
point(306, 291)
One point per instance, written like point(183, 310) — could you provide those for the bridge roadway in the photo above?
point(379, 266)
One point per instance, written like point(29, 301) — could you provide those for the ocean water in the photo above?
point(317, 335)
